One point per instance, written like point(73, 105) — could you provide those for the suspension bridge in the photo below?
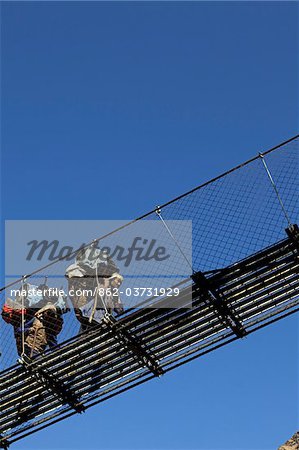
point(240, 275)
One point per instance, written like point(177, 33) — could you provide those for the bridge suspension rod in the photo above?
point(213, 299)
point(50, 382)
point(132, 344)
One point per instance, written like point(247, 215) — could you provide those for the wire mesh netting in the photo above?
point(231, 230)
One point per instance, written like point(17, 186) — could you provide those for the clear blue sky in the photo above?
point(109, 109)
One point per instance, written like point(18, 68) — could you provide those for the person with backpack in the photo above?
point(36, 318)
point(88, 279)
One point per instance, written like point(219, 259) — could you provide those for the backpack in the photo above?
point(12, 315)
point(91, 261)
